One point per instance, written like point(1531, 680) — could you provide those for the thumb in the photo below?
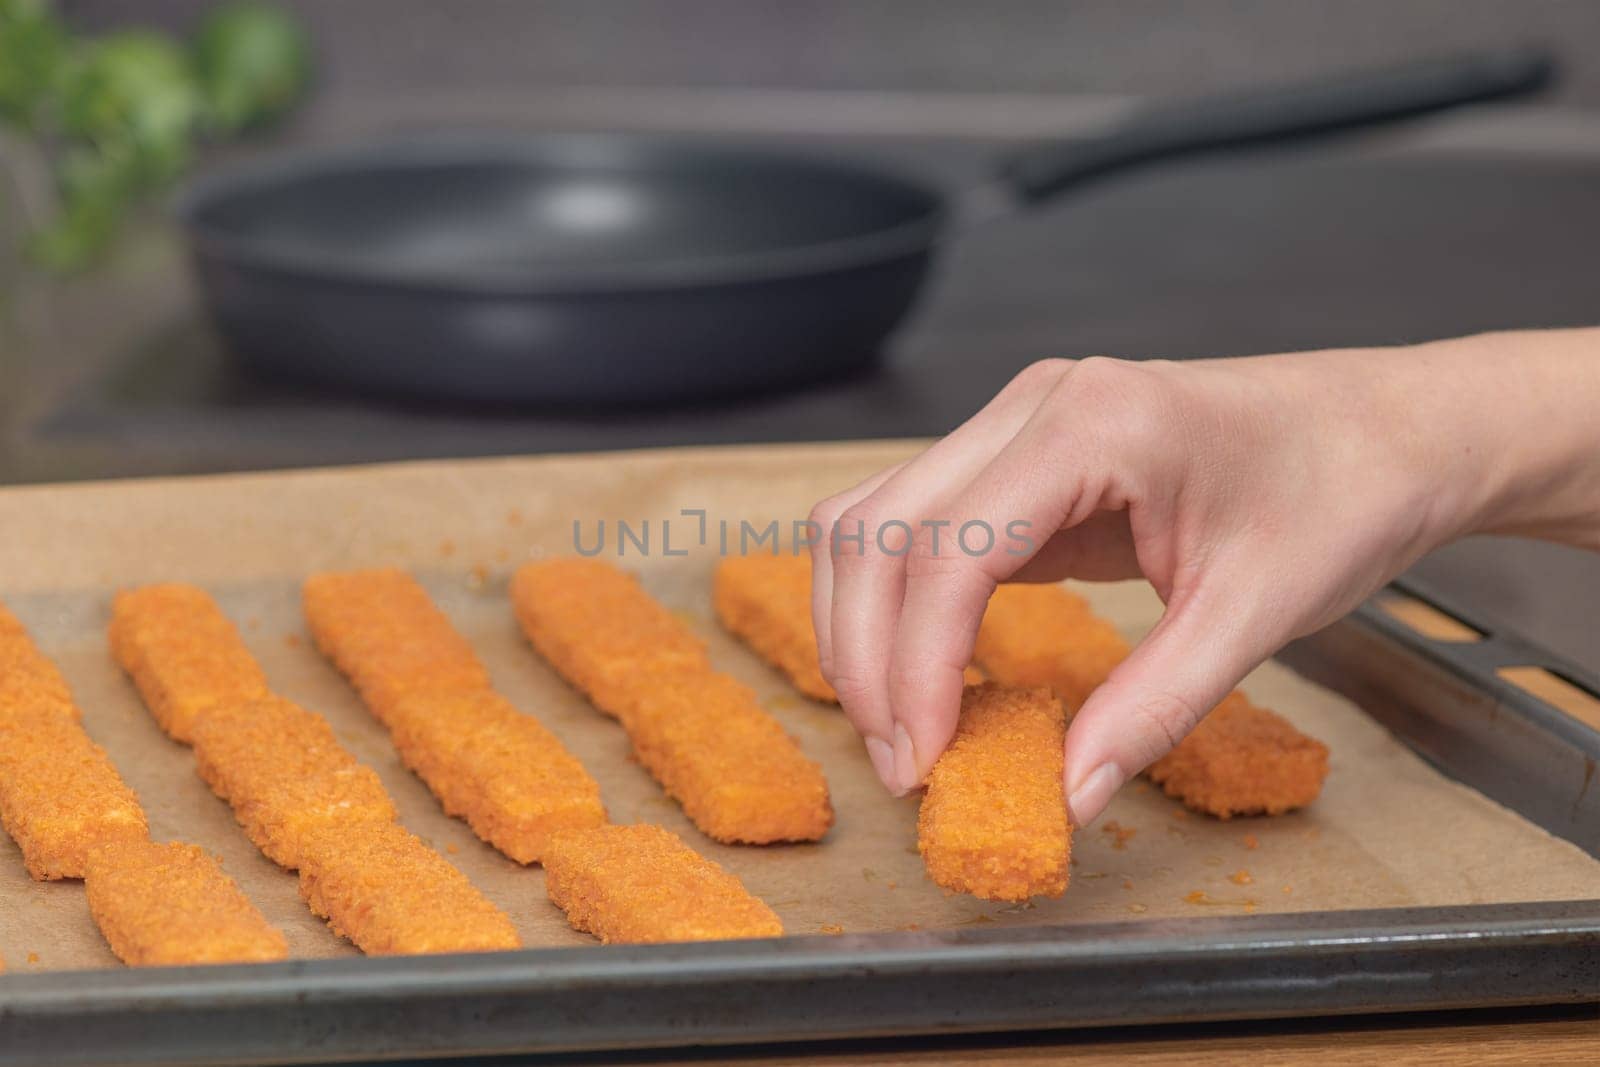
point(1182, 669)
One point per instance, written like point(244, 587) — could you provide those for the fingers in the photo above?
point(1202, 648)
point(945, 601)
point(1003, 509)
point(1099, 549)
point(824, 516)
point(871, 536)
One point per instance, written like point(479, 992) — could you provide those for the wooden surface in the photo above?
point(1427, 619)
point(1555, 691)
point(1524, 1036)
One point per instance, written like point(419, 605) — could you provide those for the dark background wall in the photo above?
point(1081, 46)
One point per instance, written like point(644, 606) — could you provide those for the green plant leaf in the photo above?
point(253, 62)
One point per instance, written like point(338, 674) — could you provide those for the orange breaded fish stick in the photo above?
point(183, 654)
point(285, 775)
point(502, 770)
point(600, 630)
point(169, 905)
point(60, 796)
point(30, 684)
point(308, 804)
point(379, 886)
point(994, 819)
point(765, 601)
point(640, 883)
point(703, 736)
point(1046, 635)
point(1243, 760)
point(381, 629)
point(739, 777)
point(508, 776)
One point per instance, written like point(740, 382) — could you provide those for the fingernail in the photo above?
point(905, 762)
point(1094, 793)
point(882, 757)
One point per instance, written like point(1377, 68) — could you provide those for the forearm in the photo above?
point(1526, 431)
point(1501, 430)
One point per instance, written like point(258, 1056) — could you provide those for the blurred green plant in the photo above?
point(33, 49)
point(120, 115)
point(253, 61)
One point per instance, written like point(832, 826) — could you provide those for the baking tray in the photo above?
point(1445, 699)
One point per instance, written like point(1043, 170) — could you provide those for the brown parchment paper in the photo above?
point(1387, 831)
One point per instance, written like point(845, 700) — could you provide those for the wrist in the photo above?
point(1512, 425)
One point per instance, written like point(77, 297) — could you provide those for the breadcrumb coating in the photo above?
point(170, 905)
point(285, 775)
point(1046, 635)
point(386, 891)
point(739, 777)
point(306, 802)
point(380, 629)
point(600, 630)
point(1240, 760)
point(994, 819)
point(641, 883)
point(60, 795)
point(183, 654)
point(30, 684)
point(1243, 760)
point(765, 601)
point(509, 777)
point(702, 735)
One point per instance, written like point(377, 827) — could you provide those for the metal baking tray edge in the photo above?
point(1444, 700)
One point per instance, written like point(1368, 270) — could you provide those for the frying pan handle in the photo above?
point(1297, 111)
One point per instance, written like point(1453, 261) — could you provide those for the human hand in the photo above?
point(1263, 498)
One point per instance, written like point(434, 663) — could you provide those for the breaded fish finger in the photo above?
point(1046, 635)
point(641, 883)
point(30, 684)
point(285, 774)
point(380, 629)
point(309, 804)
point(600, 630)
point(765, 601)
point(1243, 760)
point(60, 796)
point(994, 819)
point(183, 653)
point(168, 905)
point(704, 736)
point(509, 777)
point(379, 886)
point(739, 777)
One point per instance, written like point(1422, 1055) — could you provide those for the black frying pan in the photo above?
point(612, 269)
